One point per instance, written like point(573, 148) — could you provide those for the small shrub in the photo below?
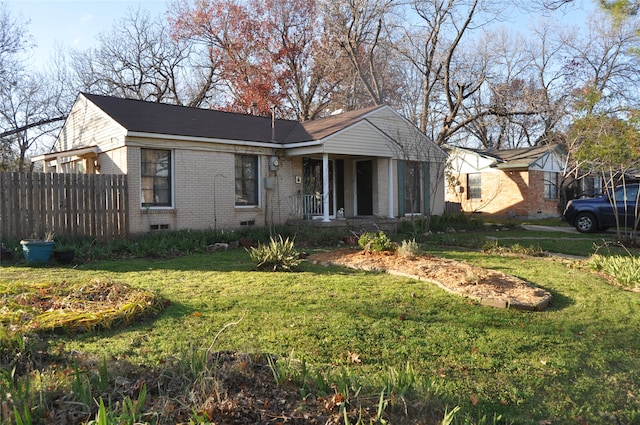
point(409, 249)
point(375, 242)
point(278, 255)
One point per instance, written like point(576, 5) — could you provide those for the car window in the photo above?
point(632, 194)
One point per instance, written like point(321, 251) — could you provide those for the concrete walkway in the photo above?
point(550, 228)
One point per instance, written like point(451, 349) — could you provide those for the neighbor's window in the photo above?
point(592, 186)
point(550, 185)
point(474, 186)
point(412, 187)
point(247, 180)
point(156, 177)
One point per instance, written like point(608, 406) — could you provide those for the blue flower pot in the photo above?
point(36, 251)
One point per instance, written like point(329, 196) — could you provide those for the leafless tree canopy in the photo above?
point(453, 67)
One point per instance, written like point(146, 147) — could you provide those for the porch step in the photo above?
point(356, 224)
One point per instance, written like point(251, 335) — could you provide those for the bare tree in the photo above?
point(360, 30)
point(14, 39)
point(139, 59)
point(27, 108)
point(603, 64)
point(451, 72)
point(297, 44)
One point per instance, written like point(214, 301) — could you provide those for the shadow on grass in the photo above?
point(226, 261)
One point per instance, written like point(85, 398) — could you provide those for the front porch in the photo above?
point(339, 188)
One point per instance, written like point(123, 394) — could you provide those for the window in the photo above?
point(474, 186)
point(550, 185)
point(412, 187)
point(592, 186)
point(247, 180)
point(156, 177)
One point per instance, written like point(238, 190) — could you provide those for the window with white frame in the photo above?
point(155, 165)
point(550, 185)
point(247, 180)
point(474, 186)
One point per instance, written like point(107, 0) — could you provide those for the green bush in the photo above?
point(375, 242)
point(278, 255)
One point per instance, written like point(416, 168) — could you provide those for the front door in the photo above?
point(364, 187)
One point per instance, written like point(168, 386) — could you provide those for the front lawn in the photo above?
point(360, 333)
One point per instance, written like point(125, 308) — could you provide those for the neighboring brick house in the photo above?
point(192, 168)
point(520, 182)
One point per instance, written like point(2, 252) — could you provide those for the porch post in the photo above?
point(390, 174)
point(325, 187)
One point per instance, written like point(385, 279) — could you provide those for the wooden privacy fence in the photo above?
point(32, 204)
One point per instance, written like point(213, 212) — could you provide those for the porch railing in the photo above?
point(312, 205)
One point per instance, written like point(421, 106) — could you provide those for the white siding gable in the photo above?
point(550, 161)
point(361, 138)
point(465, 162)
point(87, 125)
point(410, 143)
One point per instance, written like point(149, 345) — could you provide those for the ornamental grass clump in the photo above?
point(625, 270)
point(375, 242)
point(409, 249)
point(279, 255)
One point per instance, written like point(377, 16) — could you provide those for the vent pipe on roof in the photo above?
point(273, 123)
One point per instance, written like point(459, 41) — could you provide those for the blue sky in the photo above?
point(74, 24)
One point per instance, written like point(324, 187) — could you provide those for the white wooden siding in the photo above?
point(550, 161)
point(463, 162)
point(359, 139)
point(87, 125)
point(410, 144)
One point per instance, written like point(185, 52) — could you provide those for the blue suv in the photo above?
point(590, 215)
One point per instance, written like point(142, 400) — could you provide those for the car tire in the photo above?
point(585, 223)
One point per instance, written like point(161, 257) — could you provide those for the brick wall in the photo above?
point(204, 193)
point(507, 193)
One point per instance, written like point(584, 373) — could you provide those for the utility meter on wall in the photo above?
point(273, 163)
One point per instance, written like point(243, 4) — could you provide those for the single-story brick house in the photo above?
point(192, 168)
point(521, 182)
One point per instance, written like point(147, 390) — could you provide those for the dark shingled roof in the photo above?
point(522, 155)
point(161, 118)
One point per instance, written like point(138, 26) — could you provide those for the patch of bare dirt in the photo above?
point(489, 287)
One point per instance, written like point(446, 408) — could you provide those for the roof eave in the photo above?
point(509, 166)
point(273, 145)
point(68, 153)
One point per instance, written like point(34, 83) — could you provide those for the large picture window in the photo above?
point(156, 177)
point(412, 187)
point(247, 178)
point(550, 185)
point(474, 186)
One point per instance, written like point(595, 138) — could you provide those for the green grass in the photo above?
point(552, 242)
point(576, 362)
